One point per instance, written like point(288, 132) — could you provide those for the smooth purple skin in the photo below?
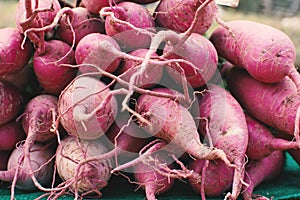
point(83, 23)
point(201, 53)
point(39, 108)
point(11, 133)
point(53, 77)
point(11, 102)
point(218, 179)
point(128, 38)
point(149, 78)
point(12, 56)
point(273, 104)
point(172, 14)
point(90, 51)
point(266, 53)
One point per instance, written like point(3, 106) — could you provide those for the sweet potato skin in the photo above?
point(226, 125)
point(201, 53)
point(261, 170)
point(266, 53)
point(171, 14)
point(13, 57)
point(11, 102)
point(218, 177)
point(273, 104)
point(79, 99)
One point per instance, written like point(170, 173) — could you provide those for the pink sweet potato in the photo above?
point(172, 14)
point(265, 52)
point(129, 38)
point(29, 15)
point(174, 123)
point(201, 53)
point(262, 142)
point(94, 49)
point(11, 102)
point(94, 6)
point(45, 17)
point(42, 167)
point(222, 121)
point(295, 153)
point(218, 177)
point(79, 110)
point(261, 170)
point(20, 79)
point(150, 179)
point(47, 66)
point(273, 104)
point(149, 78)
point(38, 118)
point(83, 23)
point(12, 56)
point(126, 137)
point(91, 176)
point(11, 133)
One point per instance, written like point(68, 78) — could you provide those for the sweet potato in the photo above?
point(79, 111)
point(43, 167)
point(29, 15)
point(94, 49)
point(276, 104)
point(90, 177)
point(11, 133)
point(222, 121)
point(171, 14)
point(267, 53)
point(126, 137)
point(12, 56)
point(150, 179)
point(174, 123)
point(149, 78)
point(261, 170)
point(52, 76)
point(218, 177)
point(201, 53)
point(129, 37)
point(262, 142)
point(83, 23)
point(37, 118)
point(11, 102)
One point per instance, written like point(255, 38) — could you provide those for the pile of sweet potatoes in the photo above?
point(90, 90)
